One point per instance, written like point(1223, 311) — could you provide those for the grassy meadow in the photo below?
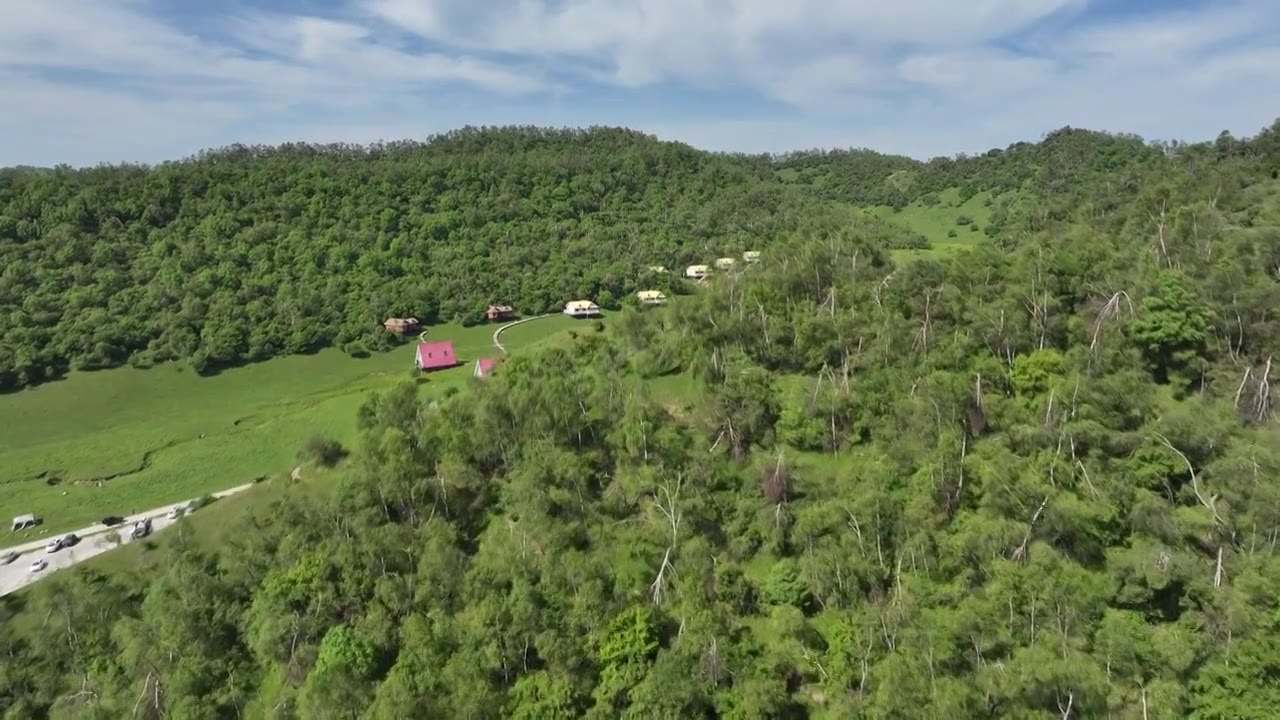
point(124, 440)
point(936, 222)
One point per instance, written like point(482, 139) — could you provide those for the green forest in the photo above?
point(1034, 479)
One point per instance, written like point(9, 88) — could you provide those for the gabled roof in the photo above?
point(484, 366)
point(435, 355)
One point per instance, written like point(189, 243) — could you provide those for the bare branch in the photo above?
point(1209, 504)
point(1021, 550)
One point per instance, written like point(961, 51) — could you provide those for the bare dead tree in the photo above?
point(926, 324)
point(976, 411)
point(1110, 310)
point(710, 665)
point(1248, 372)
point(875, 292)
point(1037, 304)
point(1160, 222)
point(666, 502)
point(1217, 572)
point(1021, 551)
point(1066, 710)
point(1261, 405)
point(1209, 503)
point(776, 481)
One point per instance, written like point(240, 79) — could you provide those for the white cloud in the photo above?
point(761, 43)
point(110, 80)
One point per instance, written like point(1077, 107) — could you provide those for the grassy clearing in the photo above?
point(936, 222)
point(166, 434)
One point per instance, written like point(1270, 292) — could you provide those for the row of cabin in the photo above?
point(588, 309)
point(700, 272)
point(406, 326)
point(441, 356)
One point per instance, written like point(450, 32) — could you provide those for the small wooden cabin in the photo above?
point(402, 326)
point(499, 312)
point(652, 297)
point(697, 272)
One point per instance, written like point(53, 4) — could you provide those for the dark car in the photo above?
point(8, 558)
point(112, 520)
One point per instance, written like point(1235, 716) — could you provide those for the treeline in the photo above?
point(246, 253)
point(1032, 482)
point(1053, 170)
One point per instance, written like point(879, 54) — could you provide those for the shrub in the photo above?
point(783, 586)
point(908, 242)
point(323, 451)
point(964, 220)
point(952, 233)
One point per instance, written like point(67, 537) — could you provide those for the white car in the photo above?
point(54, 545)
point(37, 565)
point(174, 513)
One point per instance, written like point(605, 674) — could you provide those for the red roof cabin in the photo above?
point(484, 367)
point(401, 326)
point(435, 356)
point(500, 312)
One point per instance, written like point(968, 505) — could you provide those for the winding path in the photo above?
point(498, 333)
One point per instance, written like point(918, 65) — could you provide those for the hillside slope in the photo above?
point(1035, 479)
point(246, 253)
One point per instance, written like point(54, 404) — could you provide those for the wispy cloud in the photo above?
point(118, 80)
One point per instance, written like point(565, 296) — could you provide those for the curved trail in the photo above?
point(498, 333)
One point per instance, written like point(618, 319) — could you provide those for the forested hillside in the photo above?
point(1040, 479)
point(247, 253)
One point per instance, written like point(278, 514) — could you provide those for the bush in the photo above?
point(783, 586)
point(607, 300)
point(909, 242)
point(202, 502)
point(964, 220)
point(952, 233)
point(323, 451)
point(974, 228)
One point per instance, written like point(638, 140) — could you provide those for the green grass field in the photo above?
point(938, 221)
point(165, 434)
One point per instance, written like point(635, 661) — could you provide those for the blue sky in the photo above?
point(88, 81)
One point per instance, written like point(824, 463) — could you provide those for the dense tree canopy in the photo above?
point(247, 253)
point(1033, 480)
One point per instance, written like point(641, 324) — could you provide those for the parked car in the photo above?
point(141, 529)
point(8, 558)
point(112, 520)
point(37, 565)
